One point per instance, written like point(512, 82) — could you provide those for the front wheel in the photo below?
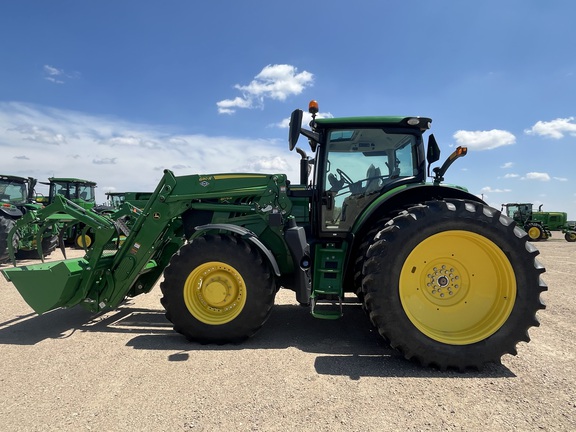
point(570, 236)
point(453, 284)
point(218, 289)
point(6, 224)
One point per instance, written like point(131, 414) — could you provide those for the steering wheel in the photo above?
point(344, 176)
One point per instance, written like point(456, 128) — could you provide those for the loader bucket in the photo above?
point(47, 286)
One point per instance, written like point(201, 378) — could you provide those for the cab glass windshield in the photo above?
point(360, 162)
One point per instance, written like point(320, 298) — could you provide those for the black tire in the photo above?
point(368, 240)
point(6, 225)
point(453, 284)
point(49, 245)
point(535, 231)
point(237, 295)
point(570, 236)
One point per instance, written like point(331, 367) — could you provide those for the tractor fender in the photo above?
point(399, 198)
point(245, 233)
point(11, 211)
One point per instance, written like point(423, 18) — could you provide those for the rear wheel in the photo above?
point(218, 289)
point(82, 241)
point(453, 284)
point(535, 232)
point(368, 241)
point(49, 245)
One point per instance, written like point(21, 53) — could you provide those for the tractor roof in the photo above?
point(13, 178)
point(68, 180)
point(421, 123)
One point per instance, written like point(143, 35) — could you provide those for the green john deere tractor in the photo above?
point(449, 281)
point(80, 192)
point(116, 199)
point(539, 224)
point(17, 197)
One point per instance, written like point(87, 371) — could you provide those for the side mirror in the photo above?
point(295, 127)
point(433, 152)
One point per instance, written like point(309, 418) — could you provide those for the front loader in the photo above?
point(449, 281)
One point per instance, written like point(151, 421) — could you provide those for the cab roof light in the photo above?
point(313, 107)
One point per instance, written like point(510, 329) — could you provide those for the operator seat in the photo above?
point(374, 179)
point(356, 202)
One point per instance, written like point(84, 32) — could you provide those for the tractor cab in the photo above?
point(81, 192)
point(17, 191)
point(359, 159)
point(13, 190)
point(520, 212)
point(358, 162)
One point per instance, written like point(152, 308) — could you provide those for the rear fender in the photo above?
point(401, 197)
point(242, 232)
point(10, 210)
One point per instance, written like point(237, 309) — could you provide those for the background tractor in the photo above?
point(539, 224)
point(17, 197)
point(449, 281)
point(114, 201)
point(83, 194)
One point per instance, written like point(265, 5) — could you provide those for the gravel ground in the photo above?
point(128, 371)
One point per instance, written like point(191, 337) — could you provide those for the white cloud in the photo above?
point(506, 176)
point(488, 189)
point(39, 134)
point(554, 129)
point(562, 179)
point(124, 156)
point(536, 176)
point(507, 165)
point(228, 106)
point(58, 76)
point(267, 164)
point(484, 140)
point(104, 161)
point(275, 82)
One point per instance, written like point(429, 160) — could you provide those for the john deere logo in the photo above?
point(156, 215)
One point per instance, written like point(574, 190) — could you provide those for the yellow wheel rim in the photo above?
point(83, 241)
point(457, 287)
point(534, 233)
point(215, 293)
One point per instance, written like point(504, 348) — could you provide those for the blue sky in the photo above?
point(116, 91)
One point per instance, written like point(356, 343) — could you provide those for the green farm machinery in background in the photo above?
point(116, 199)
point(17, 198)
point(449, 281)
point(80, 192)
point(540, 224)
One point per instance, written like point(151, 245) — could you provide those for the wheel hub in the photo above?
point(215, 293)
point(443, 283)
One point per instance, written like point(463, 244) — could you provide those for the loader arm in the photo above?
point(107, 273)
point(64, 212)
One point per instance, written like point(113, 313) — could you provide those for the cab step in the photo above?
point(327, 307)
